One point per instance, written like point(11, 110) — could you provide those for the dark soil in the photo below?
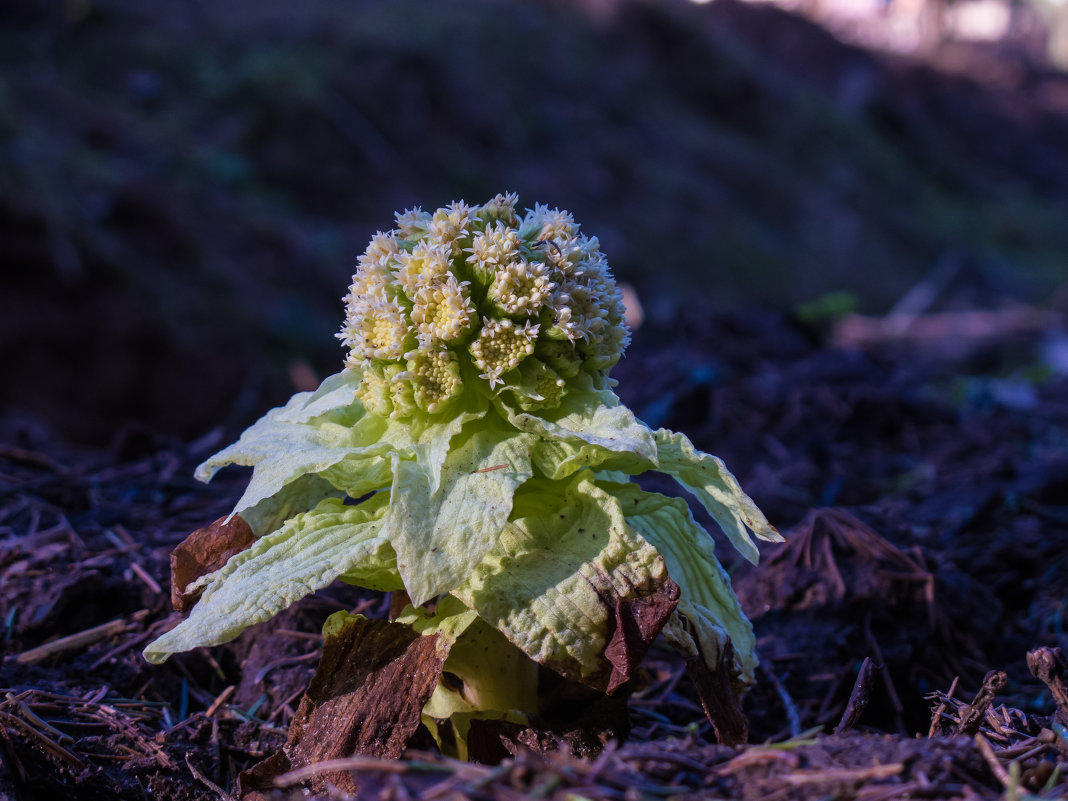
point(924, 507)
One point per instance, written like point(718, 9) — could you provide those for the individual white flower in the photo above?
point(545, 224)
point(501, 208)
point(412, 223)
point(566, 257)
point(381, 332)
point(449, 224)
point(501, 346)
point(442, 311)
point(427, 262)
point(494, 247)
point(520, 288)
point(383, 248)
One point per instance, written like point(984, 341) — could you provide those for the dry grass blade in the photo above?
point(843, 775)
point(200, 777)
point(72, 642)
point(991, 759)
point(360, 763)
point(46, 742)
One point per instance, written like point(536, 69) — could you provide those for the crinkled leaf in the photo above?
point(335, 398)
point(335, 392)
point(307, 553)
point(440, 536)
point(346, 446)
point(707, 599)
point(717, 489)
point(299, 495)
point(281, 452)
point(585, 430)
point(593, 429)
point(554, 583)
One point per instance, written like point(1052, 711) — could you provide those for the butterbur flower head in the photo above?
point(479, 289)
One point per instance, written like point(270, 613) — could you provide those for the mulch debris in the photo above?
point(911, 628)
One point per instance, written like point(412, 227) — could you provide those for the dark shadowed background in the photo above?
point(184, 187)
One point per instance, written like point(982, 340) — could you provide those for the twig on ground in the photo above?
point(72, 642)
point(200, 777)
point(973, 714)
point(991, 759)
point(936, 716)
point(223, 697)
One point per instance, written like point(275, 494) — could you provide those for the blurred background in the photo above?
point(185, 186)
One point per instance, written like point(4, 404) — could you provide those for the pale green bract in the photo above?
point(473, 451)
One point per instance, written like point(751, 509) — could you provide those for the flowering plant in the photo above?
point(472, 451)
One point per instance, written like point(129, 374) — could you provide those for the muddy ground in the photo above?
point(920, 476)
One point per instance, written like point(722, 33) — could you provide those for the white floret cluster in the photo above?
point(476, 293)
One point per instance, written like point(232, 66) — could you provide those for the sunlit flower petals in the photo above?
point(383, 247)
point(412, 223)
point(450, 223)
point(368, 287)
point(426, 263)
point(545, 224)
point(442, 312)
point(496, 246)
point(501, 346)
point(521, 288)
point(381, 332)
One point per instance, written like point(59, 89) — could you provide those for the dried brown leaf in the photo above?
point(204, 551)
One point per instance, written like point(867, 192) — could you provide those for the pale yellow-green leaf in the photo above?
point(717, 489)
point(335, 392)
point(486, 677)
point(334, 399)
point(440, 536)
point(281, 452)
point(308, 552)
point(551, 583)
point(351, 449)
point(707, 599)
point(299, 495)
point(449, 619)
point(587, 429)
